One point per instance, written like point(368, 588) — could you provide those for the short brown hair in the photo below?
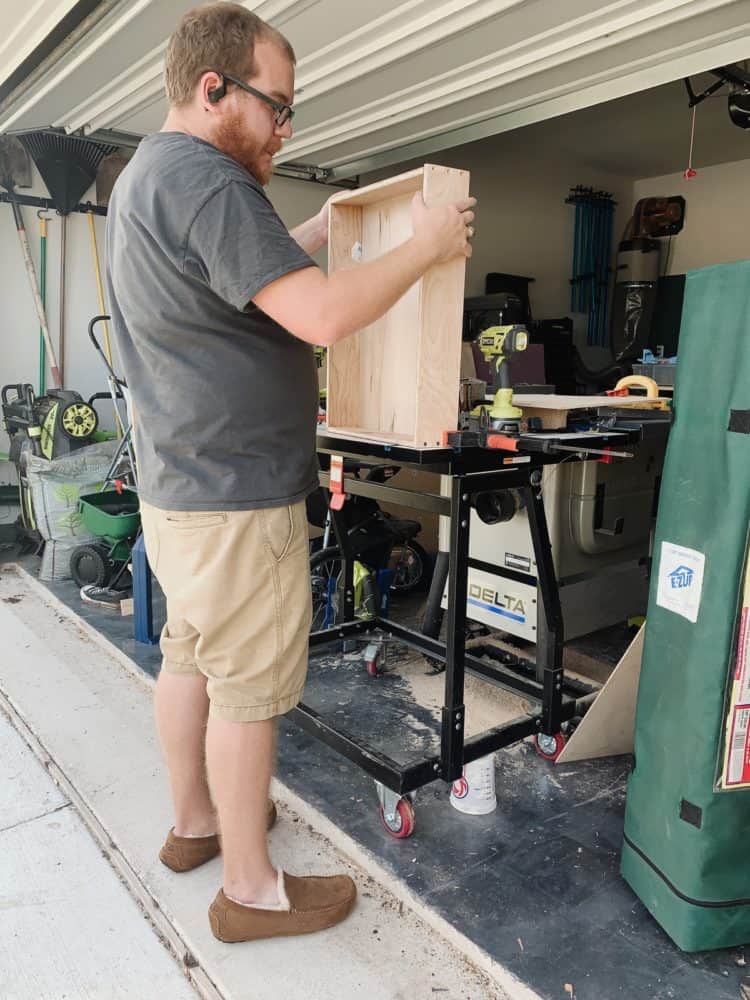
point(217, 36)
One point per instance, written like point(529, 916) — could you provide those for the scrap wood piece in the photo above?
point(608, 728)
point(553, 409)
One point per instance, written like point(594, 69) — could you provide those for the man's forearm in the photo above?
point(311, 235)
point(357, 296)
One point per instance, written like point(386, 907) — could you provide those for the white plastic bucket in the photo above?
point(474, 792)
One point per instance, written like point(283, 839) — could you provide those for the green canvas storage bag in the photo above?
point(686, 850)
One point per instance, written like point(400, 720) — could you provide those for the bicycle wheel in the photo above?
point(409, 564)
point(325, 568)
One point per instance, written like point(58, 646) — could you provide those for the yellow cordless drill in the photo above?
point(498, 343)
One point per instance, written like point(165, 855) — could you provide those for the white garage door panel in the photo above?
point(26, 25)
point(513, 94)
point(312, 24)
point(399, 33)
point(490, 82)
point(111, 48)
point(374, 77)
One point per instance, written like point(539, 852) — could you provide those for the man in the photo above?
point(215, 306)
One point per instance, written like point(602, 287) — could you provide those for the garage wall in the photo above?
point(523, 224)
point(717, 219)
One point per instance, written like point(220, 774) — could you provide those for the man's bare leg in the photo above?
point(240, 761)
point(181, 708)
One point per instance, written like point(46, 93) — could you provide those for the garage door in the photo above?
point(381, 82)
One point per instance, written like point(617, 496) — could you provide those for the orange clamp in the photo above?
point(502, 442)
point(336, 482)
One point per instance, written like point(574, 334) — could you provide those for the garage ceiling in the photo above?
point(379, 83)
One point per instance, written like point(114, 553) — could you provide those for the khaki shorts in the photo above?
point(239, 605)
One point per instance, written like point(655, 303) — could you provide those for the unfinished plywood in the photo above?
point(553, 409)
point(608, 728)
point(397, 380)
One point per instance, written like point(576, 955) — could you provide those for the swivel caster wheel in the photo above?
point(549, 747)
point(400, 824)
point(396, 812)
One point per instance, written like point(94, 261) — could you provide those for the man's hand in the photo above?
point(313, 234)
point(323, 216)
point(445, 228)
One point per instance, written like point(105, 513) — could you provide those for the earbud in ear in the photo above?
point(217, 93)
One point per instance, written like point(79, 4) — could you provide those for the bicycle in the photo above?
point(387, 557)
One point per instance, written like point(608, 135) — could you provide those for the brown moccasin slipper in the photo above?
point(307, 905)
point(182, 854)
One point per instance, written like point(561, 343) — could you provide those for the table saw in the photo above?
point(599, 515)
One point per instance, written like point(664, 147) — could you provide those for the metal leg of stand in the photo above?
point(549, 632)
point(454, 713)
point(143, 611)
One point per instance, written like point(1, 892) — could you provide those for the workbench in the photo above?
point(472, 471)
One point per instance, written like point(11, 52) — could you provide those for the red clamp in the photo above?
point(502, 442)
point(336, 482)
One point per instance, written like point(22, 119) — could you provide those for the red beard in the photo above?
point(233, 139)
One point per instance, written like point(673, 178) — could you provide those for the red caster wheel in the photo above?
point(372, 655)
point(401, 822)
point(549, 747)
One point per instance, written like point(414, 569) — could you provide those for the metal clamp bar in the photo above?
point(430, 502)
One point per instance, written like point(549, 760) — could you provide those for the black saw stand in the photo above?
point(473, 470)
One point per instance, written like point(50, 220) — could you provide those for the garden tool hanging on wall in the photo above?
point(43, 295)
point(11, 168)
point(68, 166)
point(108, 171)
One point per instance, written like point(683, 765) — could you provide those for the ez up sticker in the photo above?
point(680, 580)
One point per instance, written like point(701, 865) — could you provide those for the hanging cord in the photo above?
point(690, 172)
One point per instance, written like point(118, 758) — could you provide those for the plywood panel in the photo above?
point(389, 347)
point(441, 319)
point(344, 364)
point(553, 409)
point(392, 187)
point(608, 728)
point(551, 401)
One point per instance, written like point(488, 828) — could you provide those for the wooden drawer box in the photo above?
point(397, 380)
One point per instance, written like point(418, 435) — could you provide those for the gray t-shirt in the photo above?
point(225, 399)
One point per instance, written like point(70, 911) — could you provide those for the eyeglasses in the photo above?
point(284, 112)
